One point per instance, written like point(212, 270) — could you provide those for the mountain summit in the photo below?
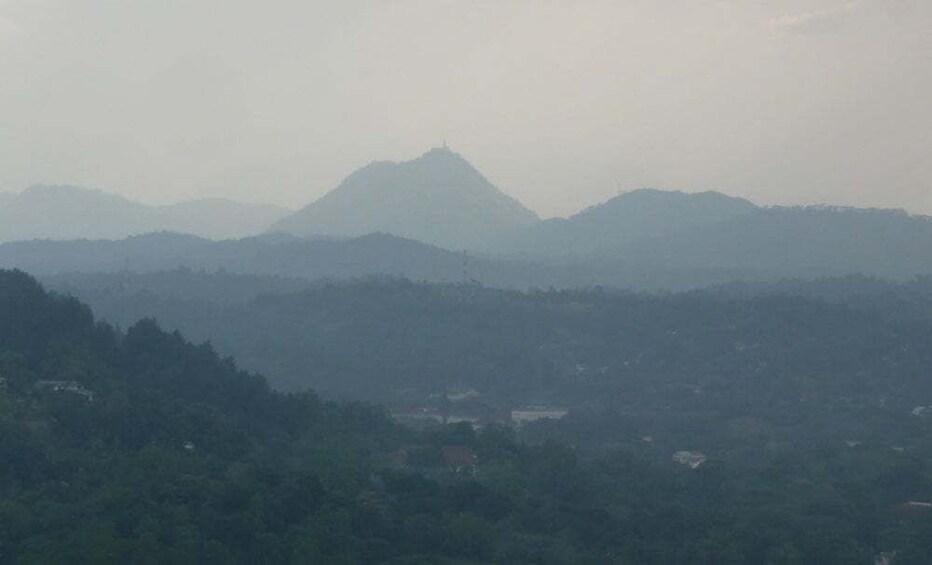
point(633, 216)
point(438, 198)
point(65, 212)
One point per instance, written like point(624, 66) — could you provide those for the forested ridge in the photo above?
point(380, 335)
point(138, 446)
point(654, 252)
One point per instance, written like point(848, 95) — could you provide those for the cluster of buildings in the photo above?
point(70, 387)
point(466, 406)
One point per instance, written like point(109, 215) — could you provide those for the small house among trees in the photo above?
point(460, 458)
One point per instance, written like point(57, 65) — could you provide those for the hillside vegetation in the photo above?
point(140, 447)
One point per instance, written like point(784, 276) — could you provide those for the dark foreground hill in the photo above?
point(140, 447)
point(143, 448)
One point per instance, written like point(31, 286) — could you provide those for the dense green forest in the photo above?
point(908, 300)
point(804, 412)
point(371, 338)
point(141, 447)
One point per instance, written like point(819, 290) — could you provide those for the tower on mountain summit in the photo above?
point(437, 198)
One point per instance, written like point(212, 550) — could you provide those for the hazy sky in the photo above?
point(560, 104)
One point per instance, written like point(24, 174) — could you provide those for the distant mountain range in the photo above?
point(641, 238)
point(438, 198)
point(274, 254)
point(414, 219)
point(628, 218)
point(800, 242)
point(69, 212)
point(673, 239)
point(766, 244)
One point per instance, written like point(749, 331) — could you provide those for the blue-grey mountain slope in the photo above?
point(272, 254)
point(438, 198)
point(808, 242)
point(683, 241)
point(69, 212)
point(630, 217)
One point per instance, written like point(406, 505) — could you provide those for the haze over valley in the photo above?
point(458, 283)
point(437, 218)
point(70, 212)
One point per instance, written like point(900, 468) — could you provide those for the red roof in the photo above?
point(459, 456)
point(399, 456)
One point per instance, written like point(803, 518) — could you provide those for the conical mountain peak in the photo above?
point(437, 198)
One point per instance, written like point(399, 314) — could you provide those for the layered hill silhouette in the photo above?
point(766, 244)
point(277, 255)
point(413, 220)
point(799, 242)
point(438, 198)
point(627, 218)
point(652, 238)
point(69, 212)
